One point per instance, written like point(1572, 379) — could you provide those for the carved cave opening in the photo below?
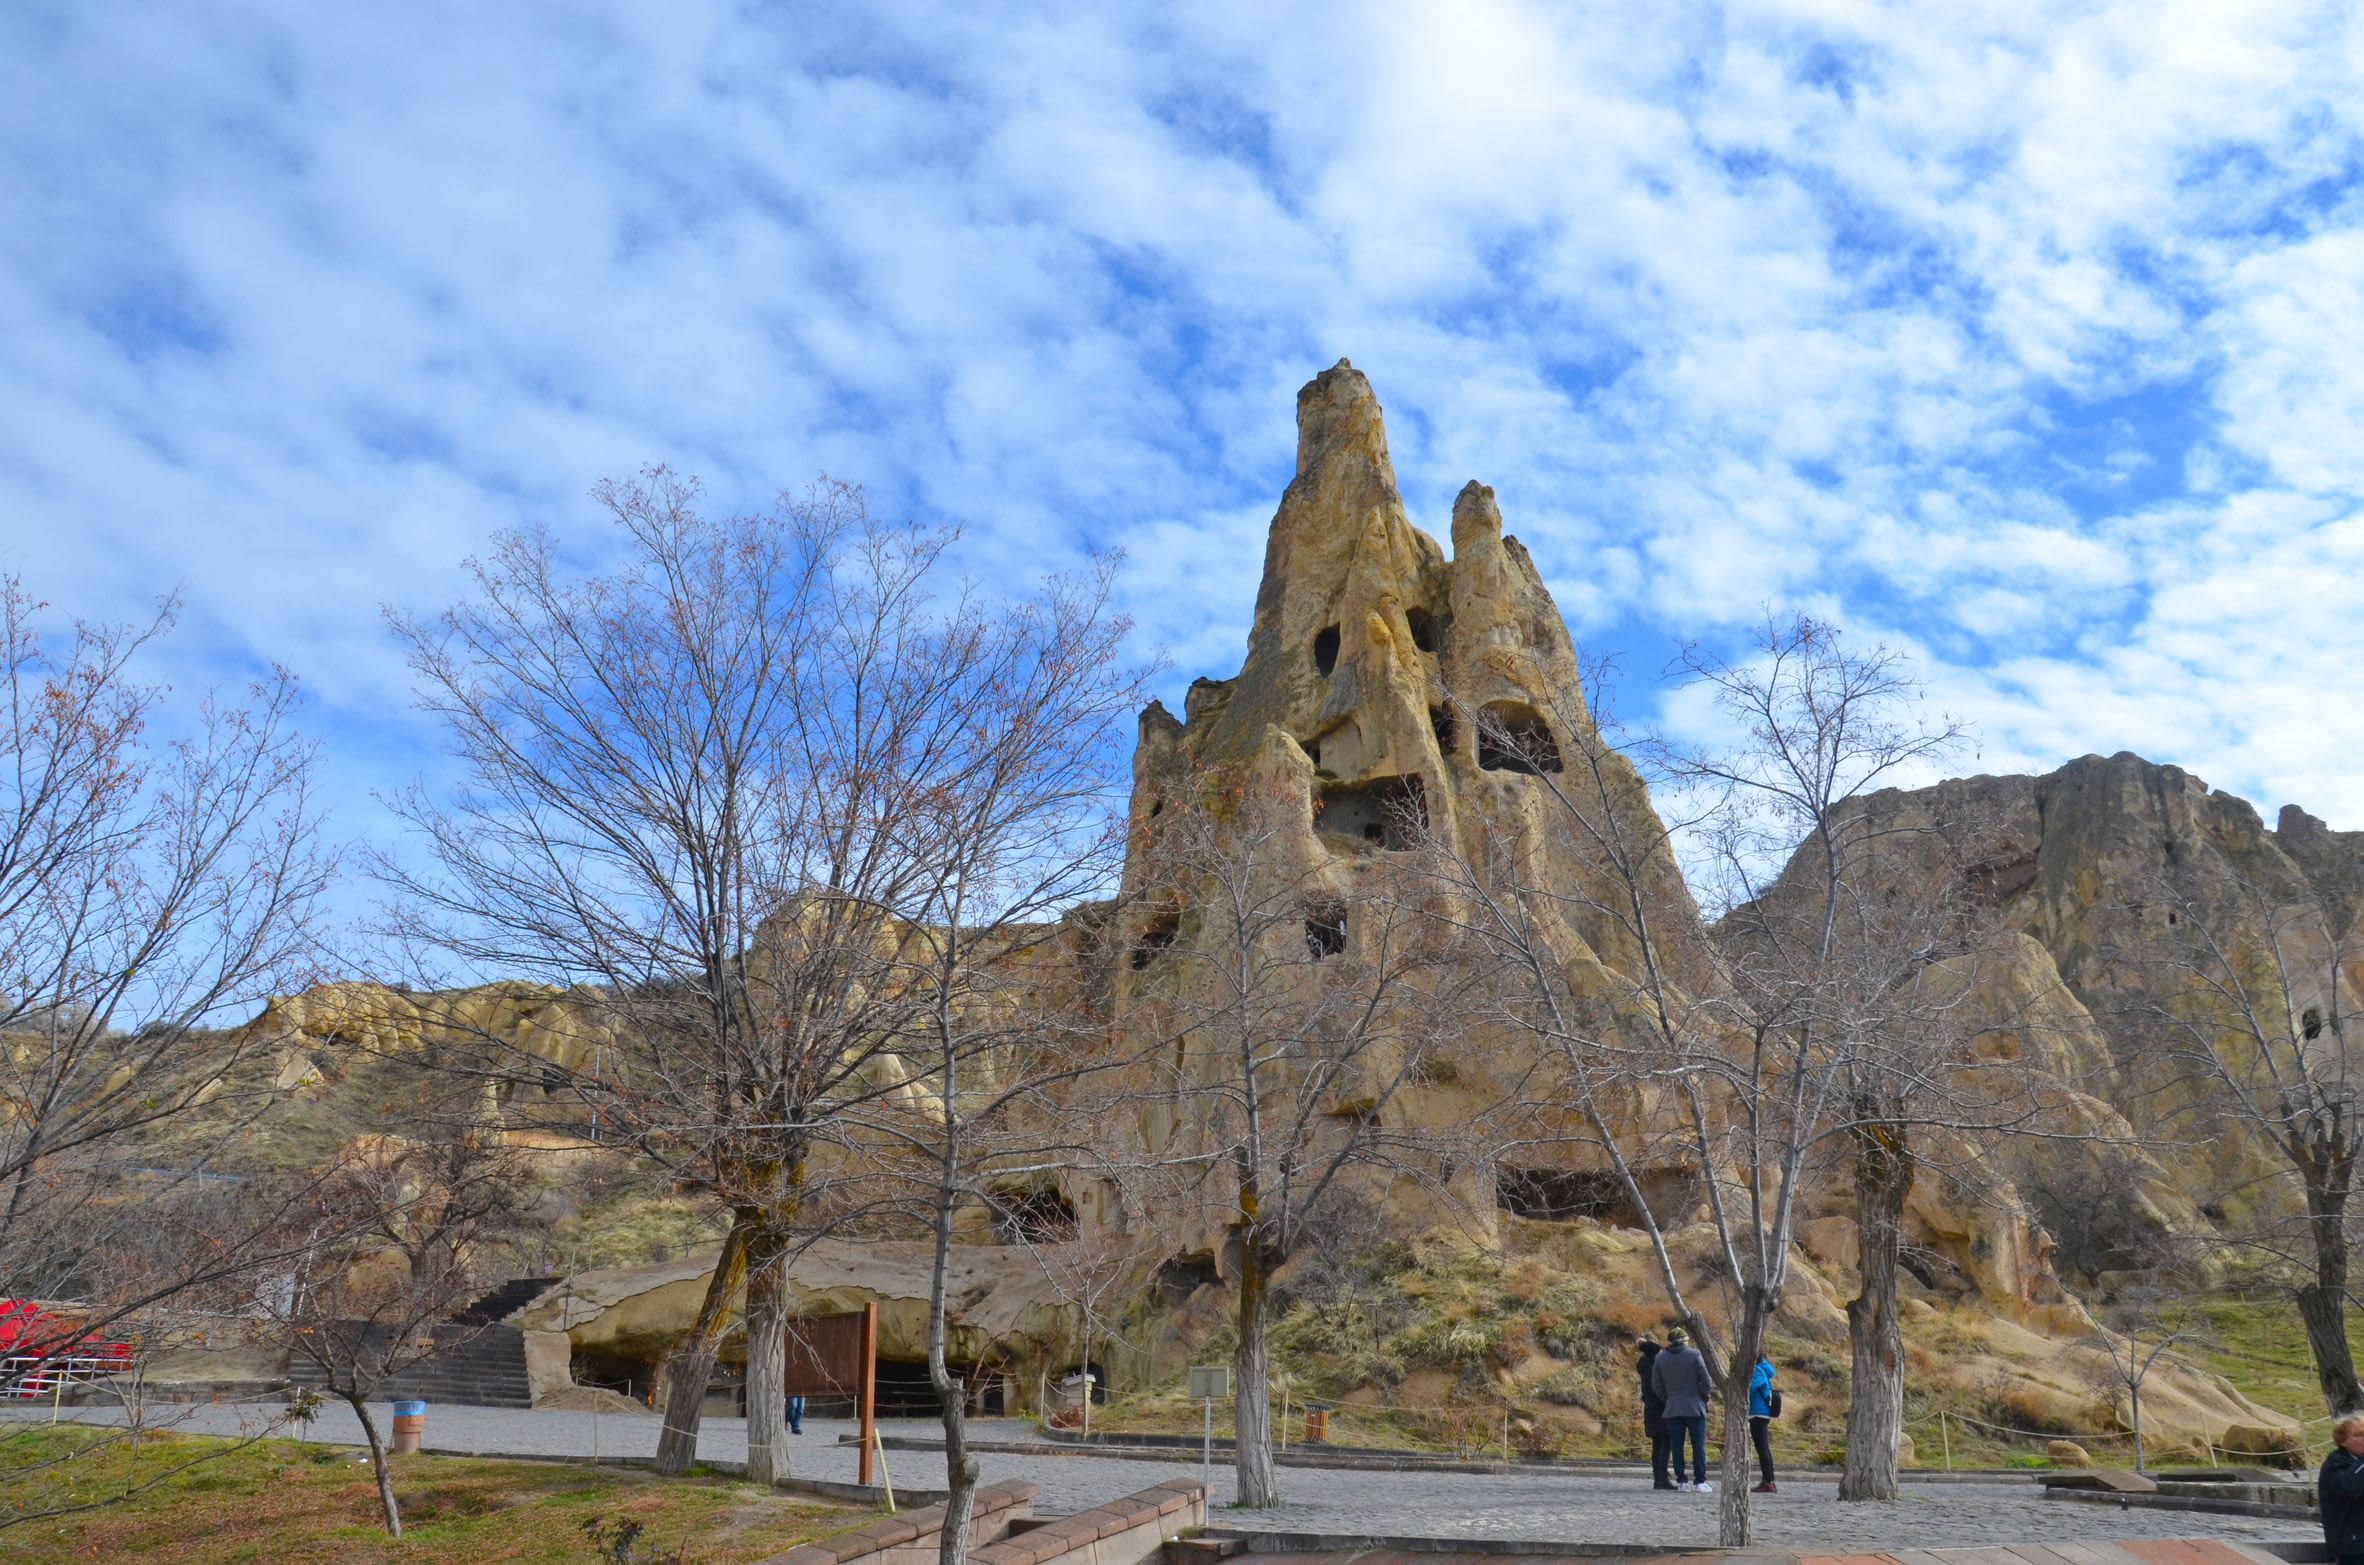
point(1386, 812)
point(1031, 1214)
point(1513, 737)
point(1158, 934)
point(1559, 1195)
point(1325, 649)
point(1325, 929)
point(1445, 726)
point(1423, 627)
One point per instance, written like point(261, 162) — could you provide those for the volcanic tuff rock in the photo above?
point(1370, 651)
point(1368, 644)
point(1370, 658)
point(2090, 864)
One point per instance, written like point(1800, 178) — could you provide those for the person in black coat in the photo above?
point(2339, 1490)
point(1653, 1416)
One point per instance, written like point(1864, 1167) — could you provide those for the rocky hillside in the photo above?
point(2119, 883)
point(1371, 652)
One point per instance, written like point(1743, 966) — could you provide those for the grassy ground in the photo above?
point(2259, 1346)
point(279, 1501)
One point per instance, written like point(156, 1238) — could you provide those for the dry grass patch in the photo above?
point(279, 1500)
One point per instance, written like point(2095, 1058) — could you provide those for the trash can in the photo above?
point(1317, 1423)
point(410, 1424)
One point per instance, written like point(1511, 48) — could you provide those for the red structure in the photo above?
point(41, 1350)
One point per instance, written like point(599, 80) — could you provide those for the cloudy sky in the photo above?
point(2027, 336)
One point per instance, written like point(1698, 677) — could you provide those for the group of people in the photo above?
point(1676, 1389)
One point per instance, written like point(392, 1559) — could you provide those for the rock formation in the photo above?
point(1385, 688)
point(2088, 867)
point(1386, 681)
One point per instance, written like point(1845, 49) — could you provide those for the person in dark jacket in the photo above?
point(2339, 1490)
point(1682, 1379)
point(1653, 1415)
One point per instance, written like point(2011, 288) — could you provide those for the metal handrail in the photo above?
point(28, 1375)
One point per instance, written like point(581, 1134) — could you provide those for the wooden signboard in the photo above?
point(837, 1356)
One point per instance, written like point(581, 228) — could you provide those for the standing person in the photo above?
point(1653, 1415)
point(796, 1415)
point(2339, 1489)
point(1761, 1413)
point(1682, 1380)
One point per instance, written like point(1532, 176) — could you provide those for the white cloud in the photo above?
point(1733, 305)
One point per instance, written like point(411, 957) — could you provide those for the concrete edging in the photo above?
point(1415, 1462)
point(910, 1537)
point(2217, 1505)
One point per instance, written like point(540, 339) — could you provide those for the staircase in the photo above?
point(477, 1362)
point(504, 1301)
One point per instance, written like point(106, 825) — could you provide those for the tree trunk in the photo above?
point(377, 1460)
point(960, 1464)
point(2134, 1402)
point(2322, 1304)
point(691, 1364)
point(1251, 1406)
point(1733, 1461)
point(767, 1351)
point(1875, 1333)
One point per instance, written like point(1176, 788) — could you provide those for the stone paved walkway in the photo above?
point(1542, 1506)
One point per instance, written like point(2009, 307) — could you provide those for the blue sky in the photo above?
point(2028, 337)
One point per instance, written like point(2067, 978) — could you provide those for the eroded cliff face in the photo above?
point(1379, 679)
point(519, 1020)
point(1371, 651)
point(2101, 870)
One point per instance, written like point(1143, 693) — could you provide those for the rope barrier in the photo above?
point(2036, 1434)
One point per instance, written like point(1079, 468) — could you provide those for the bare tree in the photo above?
point(2244, 1001)
point(1007, 816)
point(2151, 1314)
point(1718, 1080)
point(722, 792)
point(1296, 999)
point(159, 872)
point(1861, 952)
point(1091, 1272)
point(388, 1252)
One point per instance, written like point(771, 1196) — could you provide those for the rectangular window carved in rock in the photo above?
point(1513, 737)
point(1385, 812)
point(1325, 929)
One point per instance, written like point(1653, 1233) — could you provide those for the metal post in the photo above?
point(1206, 1457)
point(866, 1397)
point(595, 1431)
point(57, 1394)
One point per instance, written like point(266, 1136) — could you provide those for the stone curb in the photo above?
point(1414, 1462)
point(2216, 1505)
point(905, 1527)
point(1069, 1534)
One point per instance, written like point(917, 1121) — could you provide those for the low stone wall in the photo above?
point(1001, 1531)
point(911, 1538)
point(1122, 1532)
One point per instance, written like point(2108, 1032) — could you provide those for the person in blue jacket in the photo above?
point(1760, 1422)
